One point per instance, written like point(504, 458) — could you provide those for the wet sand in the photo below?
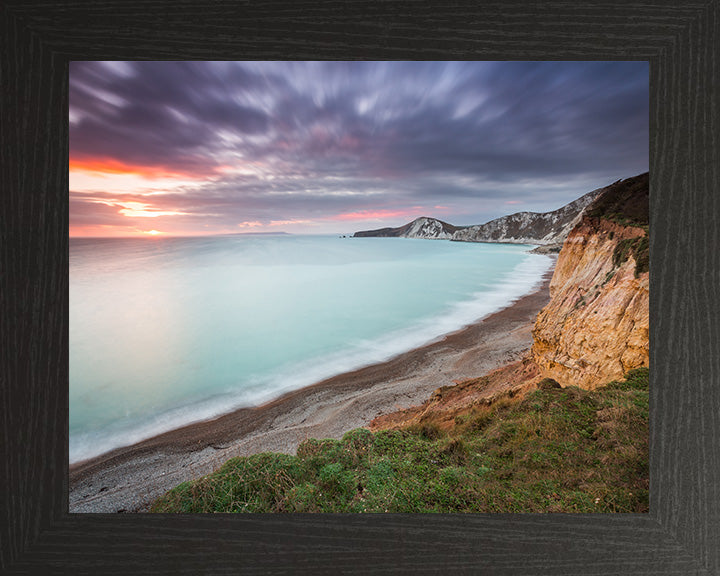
point(129, 479)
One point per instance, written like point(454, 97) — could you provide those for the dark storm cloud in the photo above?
point(536, 121)
point(337, 136)
point(163, 114)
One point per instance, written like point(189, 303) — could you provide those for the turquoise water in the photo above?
point(164, 332)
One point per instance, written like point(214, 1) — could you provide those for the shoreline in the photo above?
point(128, 479)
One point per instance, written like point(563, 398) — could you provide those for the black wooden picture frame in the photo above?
point(680, 534)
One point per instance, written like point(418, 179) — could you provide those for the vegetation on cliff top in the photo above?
point(625, 202)
point(555, 450)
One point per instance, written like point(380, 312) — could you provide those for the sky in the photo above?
point(198, 148)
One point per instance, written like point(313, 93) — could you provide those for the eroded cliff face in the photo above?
point(596, 326)
point(544, 229)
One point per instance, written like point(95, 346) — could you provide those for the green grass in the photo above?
point(556, 450)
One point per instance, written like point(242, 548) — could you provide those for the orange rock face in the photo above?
point(596, 326)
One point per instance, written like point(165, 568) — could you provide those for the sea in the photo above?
point(169, 331)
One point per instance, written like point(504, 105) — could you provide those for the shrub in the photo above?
point(548, 384)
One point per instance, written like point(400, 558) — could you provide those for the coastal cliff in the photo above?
point(541, 228)
point(546, 228)
point(596, 325)
point(423, 227)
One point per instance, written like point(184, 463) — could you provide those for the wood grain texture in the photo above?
point(681, 535)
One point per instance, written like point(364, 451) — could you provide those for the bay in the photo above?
point(168, 331)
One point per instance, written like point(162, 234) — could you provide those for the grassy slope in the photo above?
point(556, 449)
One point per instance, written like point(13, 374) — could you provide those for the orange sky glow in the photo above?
point(109, 166)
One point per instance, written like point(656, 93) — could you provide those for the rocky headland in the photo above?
point(541, 228)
